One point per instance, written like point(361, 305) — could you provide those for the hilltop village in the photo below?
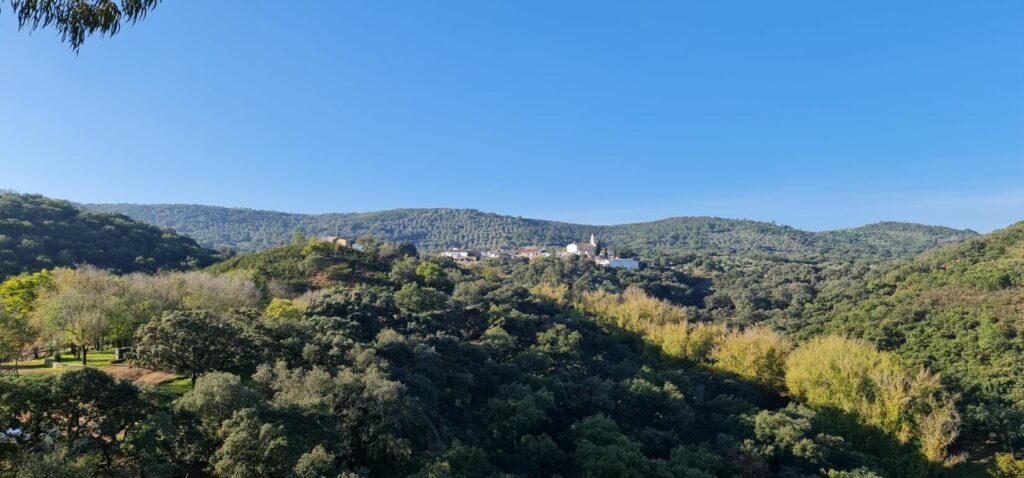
point(590, 250)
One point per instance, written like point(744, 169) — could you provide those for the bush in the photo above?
point(1006, 466)
point(756, 354)
point(876, 387)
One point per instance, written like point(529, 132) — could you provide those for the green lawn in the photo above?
point(101, 359)
point(98, 358)
point(39, 364)
point(95, 358)
point(35, 376)
point(178, 386)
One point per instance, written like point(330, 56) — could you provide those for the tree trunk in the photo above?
point(85, 352)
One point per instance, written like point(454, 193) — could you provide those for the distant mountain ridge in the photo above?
point(436, 229)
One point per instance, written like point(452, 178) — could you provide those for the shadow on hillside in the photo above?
point(897, 459)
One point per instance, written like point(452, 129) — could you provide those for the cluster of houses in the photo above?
point(589, 250)
point(583, 249)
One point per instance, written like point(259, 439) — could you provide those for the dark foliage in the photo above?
point(41, 233)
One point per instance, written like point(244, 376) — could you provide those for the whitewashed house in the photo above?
point(493, 254)
point(532, 252)
point(617, 262)
point(587, 249)
point(460, 255)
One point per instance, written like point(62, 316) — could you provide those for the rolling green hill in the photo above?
point(435, 229)
point(38, 232)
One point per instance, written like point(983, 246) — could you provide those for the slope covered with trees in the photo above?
point(958, 311)
point(421, 367)
point(38, 232)
point(435, 229)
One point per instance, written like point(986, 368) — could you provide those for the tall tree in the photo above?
point(191, 343)
point(77, 309)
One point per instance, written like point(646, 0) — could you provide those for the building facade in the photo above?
point(587, 249)
point(617, 262)
point(532, 252)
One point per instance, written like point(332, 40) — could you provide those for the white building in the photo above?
point(618, 262)
point(460, 255)
point(588, 249)
point(532, 252)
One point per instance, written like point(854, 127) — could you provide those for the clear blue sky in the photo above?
point(815, 114)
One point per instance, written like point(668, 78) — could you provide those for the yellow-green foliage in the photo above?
point(18, 294)
point(1006, 466)
point(17, 301)
point(757, 354)
point(633, 310)
point(284, 310)
point(877, 388)
point(558, 294)
point(658, 323)
point(690, 343)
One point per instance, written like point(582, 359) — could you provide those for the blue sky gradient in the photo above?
point(814, 114)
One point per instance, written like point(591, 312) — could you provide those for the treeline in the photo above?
point(436, 229)
point(421, 367)
point(91, 309)
point(41, 233)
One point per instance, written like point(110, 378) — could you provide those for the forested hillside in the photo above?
point(958, 311)
point(38, 232)
point(435, 229)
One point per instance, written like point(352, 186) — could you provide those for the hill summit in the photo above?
point(37, 232)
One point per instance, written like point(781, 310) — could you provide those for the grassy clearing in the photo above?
point(97, 359)
point(178, 386)
point(103, 360)
point(32, 367)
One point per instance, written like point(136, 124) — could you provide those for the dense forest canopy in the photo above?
point(958, 311)
point(37, 232)
point(436, 229)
